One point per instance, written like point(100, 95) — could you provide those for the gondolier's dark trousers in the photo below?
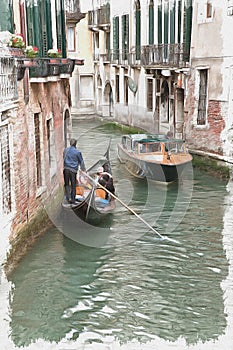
point(70, 184)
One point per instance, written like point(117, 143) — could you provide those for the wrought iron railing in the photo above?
point(8, 79)
point(46, 67)
point(169, 55)
point(100, 17)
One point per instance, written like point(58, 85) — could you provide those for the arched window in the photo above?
point(151, 22)
point(137, 7)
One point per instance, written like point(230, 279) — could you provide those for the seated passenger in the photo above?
point(106, 180)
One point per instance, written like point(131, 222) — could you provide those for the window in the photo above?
point(149, 94)
point(202, 99)
point(86, 87)
point(117, 87)
point(71, 38)
point(125, 36)
point(5, 181)
point(115, 38)
point(208, 9)
point(138, 29)
point(96, 46)
point(51, 147)
point(39, 27)
point(126, 92)
point(151, 22)
point(230, 7)
point(38, 149)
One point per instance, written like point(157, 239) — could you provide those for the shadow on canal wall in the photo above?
point(214, 167)
point(25, 239)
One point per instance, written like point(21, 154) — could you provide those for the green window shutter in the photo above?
point(48, 41)
point(115, 37)
point(160, 24)
point(172, 22)
point(165, 29)
point(36, 27)
point(61, 32)
point(188, 10)
point(59, 24)
point(127, 33)
point(151, 24)
point(39, 27)
point(138, 34)
point(6, 16)
point(125, 36)
point(43, 10)
point(179, 21)
point(29, 15)
point(63, 25)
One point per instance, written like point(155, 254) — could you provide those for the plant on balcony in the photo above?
point(16, 40)
point(31, 51)
point(54, 53)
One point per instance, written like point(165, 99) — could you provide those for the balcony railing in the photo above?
point(100, 18)
point(56, 67)
point(169, 55)
point(8, 80)
point(73, 14)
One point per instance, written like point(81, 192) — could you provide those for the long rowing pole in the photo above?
point(125, 205)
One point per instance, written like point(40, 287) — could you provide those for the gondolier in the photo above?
point(72, 161)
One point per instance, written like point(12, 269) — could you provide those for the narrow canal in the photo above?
point(121, 286)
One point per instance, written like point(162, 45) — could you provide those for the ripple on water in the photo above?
point(143, 290)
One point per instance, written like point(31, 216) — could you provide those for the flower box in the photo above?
point(41, 70)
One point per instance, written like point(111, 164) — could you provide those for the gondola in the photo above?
point(154, 157)
point(91, 204)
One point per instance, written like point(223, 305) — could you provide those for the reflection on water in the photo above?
point(146, 293)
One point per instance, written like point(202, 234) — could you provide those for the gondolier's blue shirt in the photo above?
point(73, 159)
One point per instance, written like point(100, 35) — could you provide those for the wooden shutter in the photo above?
point(188, 10)
point(179, 21)
point(160, 24)
point(29, 14)
point(202, 102)
point(61, 32)
point(138, 33)
point(115, 38)
point(38, 149)
point(6, 16)
point(151, 23)
point(125, 36)
point(172, 22)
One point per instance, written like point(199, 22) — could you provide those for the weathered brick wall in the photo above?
point(206, 138)
point(47, 99)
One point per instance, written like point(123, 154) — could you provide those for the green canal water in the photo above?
point(122, 286)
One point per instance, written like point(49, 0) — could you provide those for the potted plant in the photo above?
point(16, 41)
point(54, 53)
point(31, 51)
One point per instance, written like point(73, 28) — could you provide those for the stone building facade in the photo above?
point(164, 66)
point(140, 53)
point(208, 107)
point(35, 114)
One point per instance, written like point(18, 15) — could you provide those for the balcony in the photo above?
point(93, 20)
point(104, 18)
point(73, 14)
point(49, 69)
point(164, 55)
point(100, 19)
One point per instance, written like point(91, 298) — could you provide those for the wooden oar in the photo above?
point(125, 205)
